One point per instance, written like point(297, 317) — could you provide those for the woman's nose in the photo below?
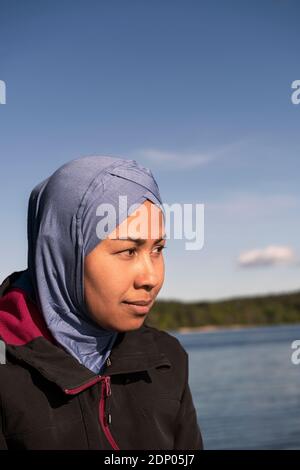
point(147, 275)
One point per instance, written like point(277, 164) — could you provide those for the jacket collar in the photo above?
point(59, 367)
point(133, 351)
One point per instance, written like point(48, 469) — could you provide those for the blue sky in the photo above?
point(199, 91)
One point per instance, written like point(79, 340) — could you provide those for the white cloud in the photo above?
point(185, 160)
point(245, 205)
point(176, 160)
point(269, 256)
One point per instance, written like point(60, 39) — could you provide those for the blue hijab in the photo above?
point(62, 231)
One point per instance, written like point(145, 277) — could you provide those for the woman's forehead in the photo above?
point(146, 222)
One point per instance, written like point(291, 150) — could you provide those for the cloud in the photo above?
point(176, 160)
point(245, 205)
point(185, 160)
point(269, 256)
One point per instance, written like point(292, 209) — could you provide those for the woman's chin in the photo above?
point(133, 324)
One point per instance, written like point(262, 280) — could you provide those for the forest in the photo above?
point(243, 311)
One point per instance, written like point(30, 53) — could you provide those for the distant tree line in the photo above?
point(262, 310)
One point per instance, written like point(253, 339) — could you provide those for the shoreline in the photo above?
point(212, 328)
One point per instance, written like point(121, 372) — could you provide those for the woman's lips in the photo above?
point(141, 309)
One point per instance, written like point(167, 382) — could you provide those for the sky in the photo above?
point(199, 91)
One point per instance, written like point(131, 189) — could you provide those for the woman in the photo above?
point(82, 370)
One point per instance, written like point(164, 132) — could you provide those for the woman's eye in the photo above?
point(130, 252)
point(160, 248)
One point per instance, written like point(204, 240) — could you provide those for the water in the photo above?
point(246, 389)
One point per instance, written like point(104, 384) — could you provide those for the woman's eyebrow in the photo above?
point(139, 241)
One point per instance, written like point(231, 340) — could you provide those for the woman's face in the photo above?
point(120, 272)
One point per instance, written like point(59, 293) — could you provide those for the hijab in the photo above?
point(61, 231)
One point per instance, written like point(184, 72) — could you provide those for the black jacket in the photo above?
point(48, 400)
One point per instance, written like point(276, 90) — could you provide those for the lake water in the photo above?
point(246, 389)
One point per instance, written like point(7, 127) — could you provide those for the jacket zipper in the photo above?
point(74, 391)
point(106, 392)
